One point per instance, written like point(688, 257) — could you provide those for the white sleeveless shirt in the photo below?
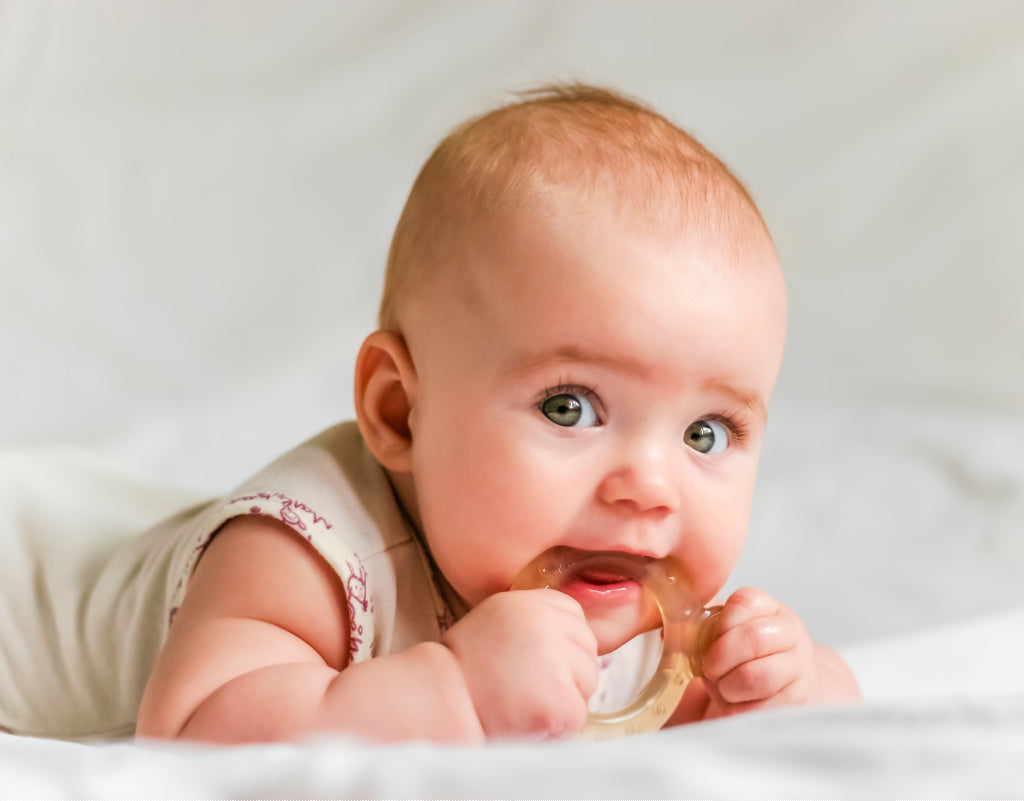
point(83, 618)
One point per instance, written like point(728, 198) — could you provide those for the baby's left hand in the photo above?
point(762, 656)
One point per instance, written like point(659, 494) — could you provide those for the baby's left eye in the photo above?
point(707, 437)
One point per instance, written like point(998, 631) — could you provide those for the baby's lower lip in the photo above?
point(599, 586)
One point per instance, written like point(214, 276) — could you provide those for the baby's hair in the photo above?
point(586, 141)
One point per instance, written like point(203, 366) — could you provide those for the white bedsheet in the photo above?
point(195, 206)
point(955, 749)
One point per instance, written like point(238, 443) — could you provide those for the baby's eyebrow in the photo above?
point(528, 361)
point(574, 354)
point(751, 399)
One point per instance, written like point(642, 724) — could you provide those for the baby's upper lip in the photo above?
point(601, 567)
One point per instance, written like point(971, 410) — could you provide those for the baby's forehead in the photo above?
point(562, 240)
point(559, 275)
point(611, 299)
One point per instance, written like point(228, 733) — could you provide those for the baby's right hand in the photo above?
point(529, 661)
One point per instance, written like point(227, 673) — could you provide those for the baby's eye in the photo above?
point(707, 436)
point(569, 409)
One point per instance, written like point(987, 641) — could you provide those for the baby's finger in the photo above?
point(558, 600)
point(754, 639)
point(772, 678)
point(574, 627)
point(585, 672)
point(746, 604)
point(572, 622)
point(584, 639)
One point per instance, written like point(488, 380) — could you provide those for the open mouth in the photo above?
point(592, 575)
point(598, 576)
point(605, 577)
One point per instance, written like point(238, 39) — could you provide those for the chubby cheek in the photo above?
point(711, 551)
point(711, 567)
point(482, 511)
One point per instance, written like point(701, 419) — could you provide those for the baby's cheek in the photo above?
point(709, 566)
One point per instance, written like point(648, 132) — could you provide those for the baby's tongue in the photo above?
point(600, 575)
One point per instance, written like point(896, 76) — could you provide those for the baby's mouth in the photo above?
point(602, 578)
point(592, 572)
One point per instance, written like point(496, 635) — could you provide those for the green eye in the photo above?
point(707, 436)
point(569, 410)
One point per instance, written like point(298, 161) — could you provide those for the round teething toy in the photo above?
point(685, 626)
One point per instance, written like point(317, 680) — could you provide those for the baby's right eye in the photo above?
point(569, 409)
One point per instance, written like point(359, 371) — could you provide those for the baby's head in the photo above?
point(582, 323)
point(576, 149)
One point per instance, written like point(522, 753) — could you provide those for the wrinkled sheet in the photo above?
point(952, 750)
point(195, 206)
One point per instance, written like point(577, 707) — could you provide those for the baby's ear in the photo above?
point(385, 385)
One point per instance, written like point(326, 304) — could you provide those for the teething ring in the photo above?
point(684, 627)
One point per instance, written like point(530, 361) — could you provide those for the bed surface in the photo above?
point(196, 202)
point(955, 750)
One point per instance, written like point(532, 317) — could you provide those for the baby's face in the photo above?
point(592, 387)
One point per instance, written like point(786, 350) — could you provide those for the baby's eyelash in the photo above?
point(568, 388)
point(737, 428)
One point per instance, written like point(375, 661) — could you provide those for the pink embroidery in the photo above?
point(357, 594)
point(290, 511)
point(357, 586)
point(292, 519)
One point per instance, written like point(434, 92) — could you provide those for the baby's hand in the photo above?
point(762, 656)
point(529, 661)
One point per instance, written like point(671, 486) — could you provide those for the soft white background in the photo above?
point(196, 200)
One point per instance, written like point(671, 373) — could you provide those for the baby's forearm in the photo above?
point(419, 694)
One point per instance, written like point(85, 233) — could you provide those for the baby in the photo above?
point(581, 327)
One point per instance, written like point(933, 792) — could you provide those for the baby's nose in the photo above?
point(645, 484)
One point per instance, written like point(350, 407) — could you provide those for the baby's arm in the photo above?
point(762, 656)
point(259, 651)
point(259, 647)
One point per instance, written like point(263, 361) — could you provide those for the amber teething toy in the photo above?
point(685, 627)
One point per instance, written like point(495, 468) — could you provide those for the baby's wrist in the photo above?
point(448, 680)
